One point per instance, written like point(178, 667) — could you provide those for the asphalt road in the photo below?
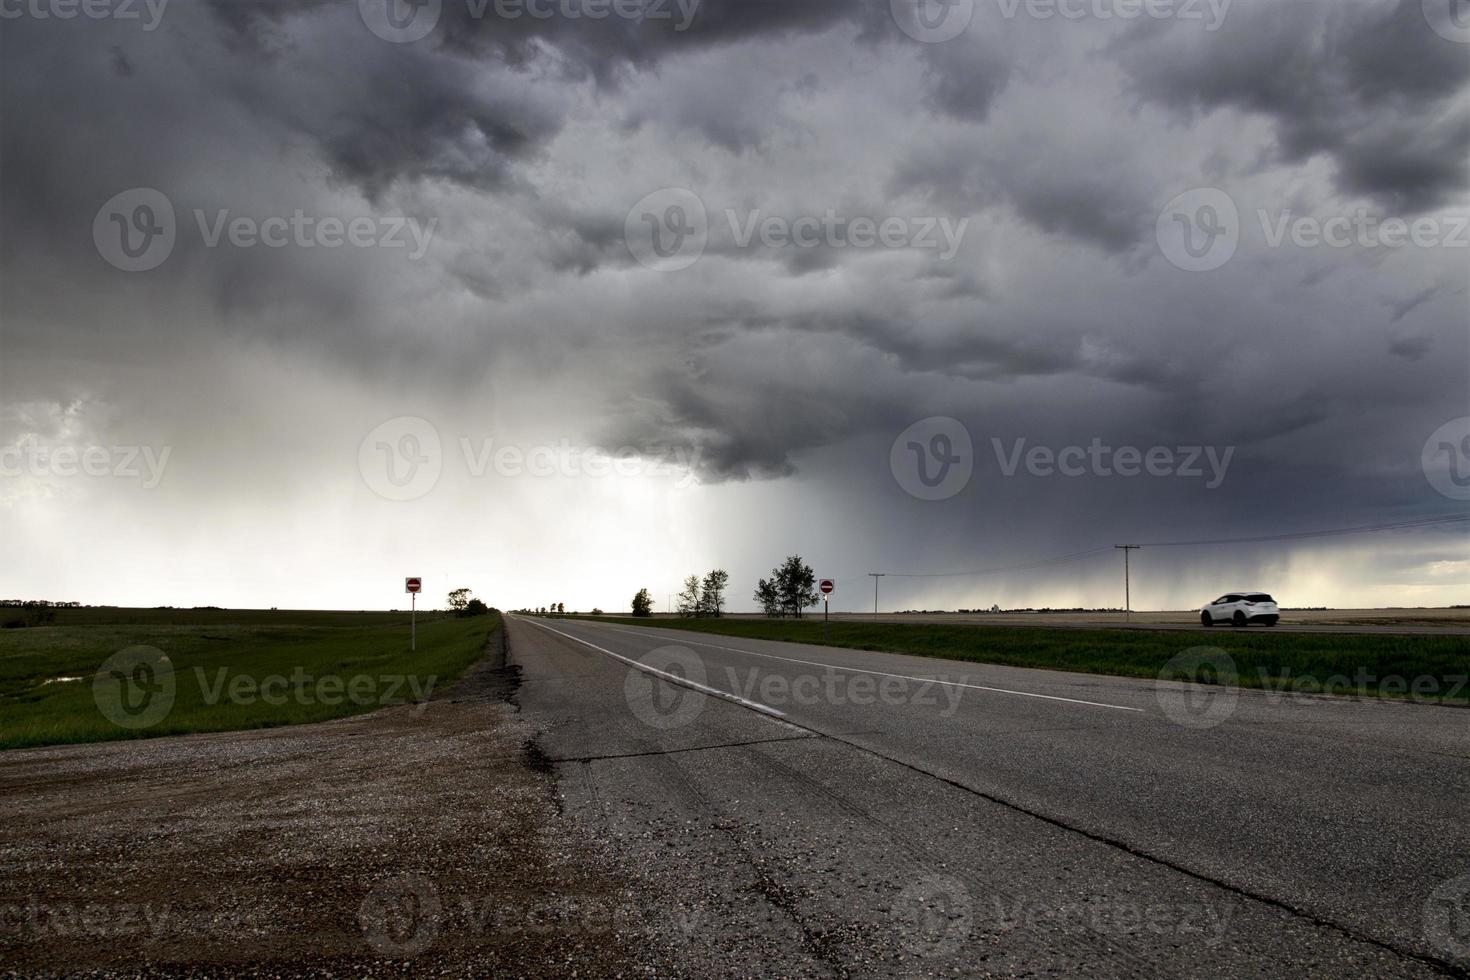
point(852, 816)
point(1429, 623)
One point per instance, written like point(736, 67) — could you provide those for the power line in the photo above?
point(1399, 526)
point(1094, 552)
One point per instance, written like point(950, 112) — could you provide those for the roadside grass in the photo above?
point(229, 670)
point(1430, 668)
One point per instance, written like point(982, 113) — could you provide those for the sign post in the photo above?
point(827, 585)
point(413, 585)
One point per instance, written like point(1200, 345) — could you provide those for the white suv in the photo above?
point(1241, 609)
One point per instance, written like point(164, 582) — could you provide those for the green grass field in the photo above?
point(1370, 665)
point(225, 670)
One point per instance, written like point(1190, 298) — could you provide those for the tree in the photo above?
point(474, 608)
point(713, 595)
point(561, 608)
point(643, 603)
point(689, 604)
point(796, 585)
point(458, 599)
point(768, 598)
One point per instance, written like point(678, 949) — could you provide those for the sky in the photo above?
point(558, 299)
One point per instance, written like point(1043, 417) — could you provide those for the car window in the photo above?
point(1232, 597)
point(1260, 597)
point(1221, 601)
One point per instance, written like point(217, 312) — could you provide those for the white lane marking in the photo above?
point(672, 678)
point(880, 673)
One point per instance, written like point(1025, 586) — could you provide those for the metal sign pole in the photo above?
point(413, 625)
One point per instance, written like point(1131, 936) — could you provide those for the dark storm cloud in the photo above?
point(1097, 199)
point(1370, 85)
point(1058, 320)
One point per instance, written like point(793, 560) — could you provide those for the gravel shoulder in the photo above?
point(423, 839)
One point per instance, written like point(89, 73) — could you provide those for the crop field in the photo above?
point(1423, 667)
point(102, 674)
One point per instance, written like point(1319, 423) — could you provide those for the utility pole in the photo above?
point(1127, 587)
point(876, 576)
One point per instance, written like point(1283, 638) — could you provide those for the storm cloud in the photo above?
point(805, 159)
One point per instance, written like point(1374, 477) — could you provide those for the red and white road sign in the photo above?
point(413, 584)
point(827, 586)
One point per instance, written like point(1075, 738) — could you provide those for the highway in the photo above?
point(808, 811)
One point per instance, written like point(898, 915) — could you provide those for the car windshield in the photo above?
point(1259, 597)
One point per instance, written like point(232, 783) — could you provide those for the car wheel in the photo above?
point(1204, 618)
point(1238, 619)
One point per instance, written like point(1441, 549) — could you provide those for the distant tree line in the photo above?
point(791, 589)
point(463, 603)
point(703, 596)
